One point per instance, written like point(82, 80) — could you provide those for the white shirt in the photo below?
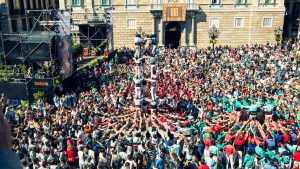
point(81, 157)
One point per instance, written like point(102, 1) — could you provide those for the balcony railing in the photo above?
point(159, 6)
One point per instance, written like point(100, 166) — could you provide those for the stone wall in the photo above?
point(124, 36)
point(252, 31)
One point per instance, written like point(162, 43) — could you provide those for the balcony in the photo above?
point(159, 6)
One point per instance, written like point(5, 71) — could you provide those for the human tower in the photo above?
point(141, 100)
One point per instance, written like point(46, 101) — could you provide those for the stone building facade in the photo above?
point(240, 22)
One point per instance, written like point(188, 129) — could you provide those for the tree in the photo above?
point(77, 50)
point(39, 95)
point(103, 45)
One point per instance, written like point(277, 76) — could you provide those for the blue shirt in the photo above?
point(294, 137)
point(251, 147)
point(268, 166)
point(201, 148)
point(278, 137)
point(160, 163)
point(271, 142)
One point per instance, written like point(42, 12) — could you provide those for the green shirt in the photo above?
point(298, 116)
point(281, 150)
point(265, 161)
point(220, 136)
point(290, 148)
point(279, 159)
point(213, 99)
point(259, 151)
point(249, 160)
point(245, 103)
point(270, 154)
point(116, 58)
point(252, 107)
point(214, 150)
point(221, 145)
point(229, 109)
point(130, 78)
point(205, 135)
point(237, 104)
point(261, 101)
point(269, 107)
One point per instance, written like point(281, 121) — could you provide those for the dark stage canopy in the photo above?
point(31, 47)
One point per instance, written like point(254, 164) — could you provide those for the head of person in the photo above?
point(202, 162)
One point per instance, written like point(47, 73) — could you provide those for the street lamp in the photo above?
point(213, 34)
point(278, 34)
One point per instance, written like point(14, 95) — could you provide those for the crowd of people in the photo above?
point(217, 109)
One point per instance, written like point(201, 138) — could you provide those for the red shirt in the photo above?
point(240, 142)
point(250, 139)
point(207, 143)
point(286, 137)
point(229, 137)
point(71, 156)
point(180, 115)
point(203, 166)
point(186, 123)
point(210, 107)
point(162, 119)
point(218, 128)
point(296, 156)
point(229, 150)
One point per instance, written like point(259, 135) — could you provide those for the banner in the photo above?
point(64, 51)
point(64, 44)
point(174, 12)
point(41, 84)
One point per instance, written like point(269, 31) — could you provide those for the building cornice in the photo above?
point(211, 10)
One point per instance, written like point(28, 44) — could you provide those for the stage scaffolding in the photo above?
point(95, 29)
point(39, 35)
point(33, 54)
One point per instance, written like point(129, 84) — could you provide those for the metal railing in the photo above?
point(159, 6)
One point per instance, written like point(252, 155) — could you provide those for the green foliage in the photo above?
point(77, 50)
point(39, 95)
point(57, 81)
point(103, 44)
point(4, 73)
point(24, 104)
point(23, 68)
point(92, 63)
